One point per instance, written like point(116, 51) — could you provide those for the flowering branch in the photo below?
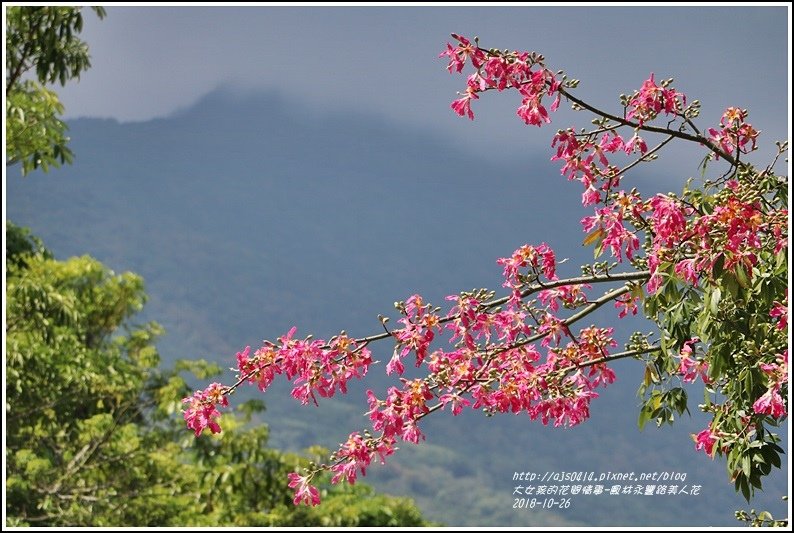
point(697, 137)
point(706, 264)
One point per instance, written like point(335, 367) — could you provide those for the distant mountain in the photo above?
point(250, 213)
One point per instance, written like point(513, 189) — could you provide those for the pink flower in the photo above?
point(734, 133)
point(635, 144)
point(395, 364)
point(777, 372)
point(771, 403)
point(591, 196)
point(652, 99)
point(669, 220)
point(569, 295)
point(202, 412)
point(510, 324)
point(532, 111)
point(459, 54)
point(722, 139)
point(416, 336)
point(612, 144)
point(304, 491)
point(262, 367)
point(468, 321)
point(399, 411)
point(686, 349)
point(689, 367)
point(243, 361)
point(549, 261)
point(458, 402)
point(553, 328)
point(541, 256)
point(568, 144)
point(593, 342)
point(780, 228)
point(686, 270)
point(627, 304)
point(411, 433)
point(780, 310)
point(612, 231)
point(498, 72)
point(462, 106)
point(352, 456)
point(733, 116)
point(655, 281)
point(705, 440)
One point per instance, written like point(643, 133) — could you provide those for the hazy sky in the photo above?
point(150, 61)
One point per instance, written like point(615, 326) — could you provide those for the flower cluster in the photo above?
point(771, 402)
point(397, 415)
point(418, 332)
point(608, 226)
point(734, 134)
point(652, 99)
point(691, 367)
point(540, 259)
point(669, 221)
point(202, 411)
point(357, 453)
point(469, 321)
point(586, 160)
point(522, 71)
point(731, 235)
point(732, 231)
point(492, 366)
point(313, 365)
point(557, 390)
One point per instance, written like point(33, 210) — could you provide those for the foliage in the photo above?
point(762, 519)
point(42, 43)
point(92, 437)
point(709, 266)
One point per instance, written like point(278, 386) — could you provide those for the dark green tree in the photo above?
point(94, 435)
point(42, 48)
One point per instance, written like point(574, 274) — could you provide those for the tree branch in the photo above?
point(580, 280)
point(655, 129)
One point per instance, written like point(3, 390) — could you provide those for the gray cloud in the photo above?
point(149, 61)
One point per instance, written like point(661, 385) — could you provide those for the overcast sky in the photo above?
point(150, 61)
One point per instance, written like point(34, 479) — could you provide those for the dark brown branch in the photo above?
point(603, 278)
point(646, 155)
point(655, 129)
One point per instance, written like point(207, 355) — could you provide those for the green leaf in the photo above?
point(593, 236)
point(774, 459)
point(719, 267)
point(741, 485)
point(714, 301)
point(746, 465)
point(741, 276)
point(645, 416)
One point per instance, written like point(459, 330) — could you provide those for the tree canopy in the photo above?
point(42, 48)
point(93, 437)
